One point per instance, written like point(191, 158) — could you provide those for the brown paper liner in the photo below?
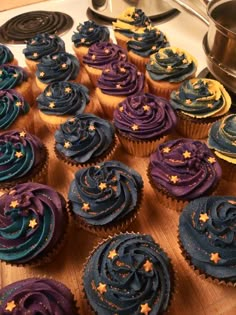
point(25, 90)
point(94, 74)
point(121, 40)
point(52, 122)
point(228, 170)
point(32, 65)
point(139, 61)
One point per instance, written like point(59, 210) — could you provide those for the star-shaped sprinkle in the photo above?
point(15, 75)
point(145, 309)
point(22, 134)
point(106, 70)
point(102, 288)
point(14, 204)
point(122, 69)
point(1, 72)
point(185, 61)
point(203, 217)
point(91, 128)
point(18, 104)
point(90, 29)
point(41, 74)
point(121, 108)
point(118, 86)
point(33, 223)
point(93, 57)
point(166, 150)
point(139, 73)
point(35, 54)
point(174, 179)
point(18, 154)
point(211, 160)
point(112, 254)
point(106, 51)
point(154, 47)
point(188, 101)
point(54, 57)
point(64, 66)
point(72, 119)
point(148, 266)
point(139, 39)
point(187, 154)
point(10, 306)
point(146, 108)
point(49, 93)
point(135, 127)
point(215, 257)
point(210, 105)
point(67, 145)
point(169, 68)
point(123, 56)
point(67, 89)
point(51, 105)
point(82, 40)
point(85, 206)
point(102, 186)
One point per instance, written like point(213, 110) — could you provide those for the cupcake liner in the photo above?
point(139, 61)
point(52, 122)
point(121, 40)
point(228, 170)
point(31, 65)
point(94, 74)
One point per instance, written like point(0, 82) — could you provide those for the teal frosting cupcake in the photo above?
point(6, 55)
point(11, 77)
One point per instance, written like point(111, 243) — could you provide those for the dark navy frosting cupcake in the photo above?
point(207, 236)
point(128, 274)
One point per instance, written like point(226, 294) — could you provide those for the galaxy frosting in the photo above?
point(144, 117)
point(37, 296)
point(105, 193)
point(58, 67)
point(6, 56)
point(101, 54)
point(201, 98)
point(222, 138)
point(128, 274)
point(12, 106)
point(90, 33)
point(121, 79)
point(41, 45)
point(84, 138)
point(63, 98)
point(207, 234)
point(184, 168)
point(11, 76)
point(171, 64)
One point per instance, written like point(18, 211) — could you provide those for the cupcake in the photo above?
point(222, 139)
point(105, 198)
point(131, 21)
point(198, 103)
point(99, 56)
point(84, 140)
point(143, 45)
point(37, 296)
point(207, 237)
point(37, 217)
point(61, 100)
point(168, 68)
point(23, 158)
point(15, 111)
point(128, 274)
point(61, 66)
point(14, 77)
point(118, 80)
point(39, 46)
point(182, 170)
point(142, 122)
point(6, 56)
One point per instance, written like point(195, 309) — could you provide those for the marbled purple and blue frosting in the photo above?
point(152, 115)
point(37, 296)
point(121, 79)
point(206, 227)
point(41, 45)
point(134, 271)
point(11, 76)
point(6, 56)
point(89, 33)
point(184, 168)
point(110, 190)
point(33, 219)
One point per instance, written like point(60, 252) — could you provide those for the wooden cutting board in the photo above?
point(11, 4)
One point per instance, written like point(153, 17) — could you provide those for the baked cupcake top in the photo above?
point(184, 168)
point(144, 117)
point(6, 55)
point(89, 33)
point(121, 79)
point(207, 234)
point(201, 98)
point(63, 98)
point(11, 76)
point(37, 296)
point(20, 153)
point(105, 193)
point(12, 106)
point(61, 66)
point(128, 274)
point(148, 42)
point(32, 221)
point(42, 45)
point(222, 138)
point(101, 54)
point(171, 64)
point(84, 138)
point(132, 20)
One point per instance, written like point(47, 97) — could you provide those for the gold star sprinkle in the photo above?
point(169, 68)
point(123, 70)
point(146, 108)
point(22, 134)
point(41, 74)
point(148, 266)
point(10, 306)
point(121, 108)
point(145, 309)
point(67, 89)
point(102, 288)
point(90, 29)
point(106, 51)
point(211, 160)
point(139, 39)
point(210, 105)
point(85, 206)
point(139, 73)
point(112, 254)
point(93, 57)
point(185, 61)
point(203, 217)
point(188, 101)
point(215, 257)
point(187, 154)
point(82, 40)
point(135, 127)
point(18, 104)
point(166, 150)
point(118, 86)
point(49, 94)
point(91, 128)
point(154, 47)
point(35, 54)
point(174, 179)
point(106, 70)
point(67, 145)
point(64, 66)
point(15, 75)
point(51, 105)
point(18, 154)
point(102, 186)
point(123, 56)
point(14, 204)
point(32, 223)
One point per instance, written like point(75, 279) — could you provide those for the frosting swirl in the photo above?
point(20, 153)
point(12, 106)
point(11, 76)
point(101, 54)
point(185, 168)
point(171, 64)
point(201, 98)
point(6, 56)
point(63, 98)
point(222, 138)
point(58, 67)
point(30, 217)
point(37, 296)
point(128, 274)
point(105, 193)
point(207, 233)
point(144, 117)
point(90, 33)
point(84, 137)
point(121, 79)
point(43, 44)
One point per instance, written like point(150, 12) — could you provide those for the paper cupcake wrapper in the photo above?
point(121, 40)
point(139, 61)
point(228, 170)
point(94, 74)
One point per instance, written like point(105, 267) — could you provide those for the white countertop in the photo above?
point(183, 30)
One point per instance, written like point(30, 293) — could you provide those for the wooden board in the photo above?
point(11, 4)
